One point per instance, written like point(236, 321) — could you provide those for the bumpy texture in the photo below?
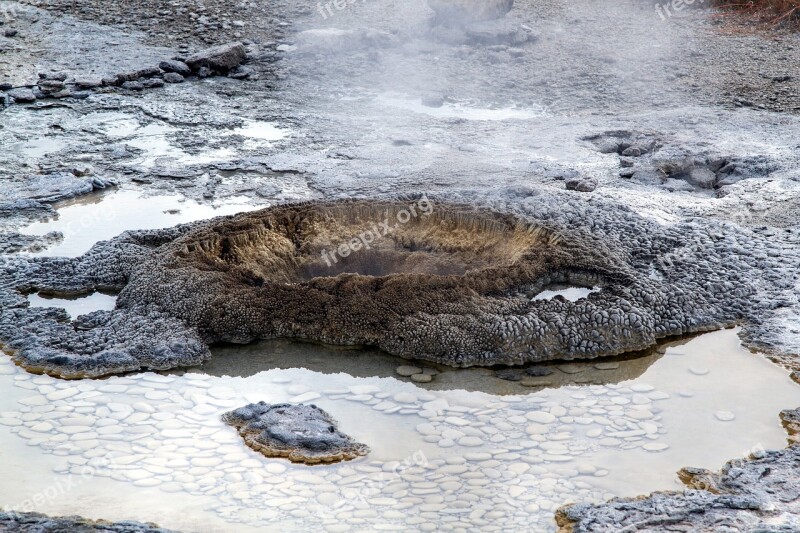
point(300, 433)
point(39, 523)
point(758, 494)
point(454, 287)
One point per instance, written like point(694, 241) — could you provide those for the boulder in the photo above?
point(219, 58)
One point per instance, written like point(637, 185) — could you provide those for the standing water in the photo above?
point(474, 459)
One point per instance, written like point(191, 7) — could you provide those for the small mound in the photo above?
point(443, 282)
point(300, 433)
point(447, 283)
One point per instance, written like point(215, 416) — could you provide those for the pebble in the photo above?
point(275, 468)
point(540, 417)
point(307, 397)
point(407, 371)
point(421, 378)
point(606, 366)
point(655, 446)
point(404, 397)
point(698, 371)
point(724, 416)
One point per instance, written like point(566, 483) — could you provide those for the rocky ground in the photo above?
point(39, 523)
point(673, 142)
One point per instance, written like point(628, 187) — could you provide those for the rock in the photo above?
point(176, 67)
point(300, 433)
point(509, 374)
point(241, 73)
point(702, 177)
point(136, 75)
point(538, 371)
point(222, 59)
point(22, 94)
point(173, 77)
point(50, 86)
point(724, 416)
point(540, 417)
point(407, 371)
point(88, 83)
point(133, 85)
point(421, 378)
point(470, 441)
point(581, 184)
point(153, 83)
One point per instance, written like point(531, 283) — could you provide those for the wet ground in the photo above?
point(491, 458)
point(368, 102)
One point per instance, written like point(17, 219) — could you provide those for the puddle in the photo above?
point(97, 217)
point(76, 306)
point(573, 294)
point(261, 130)
point(439, 458)
point(37, 148)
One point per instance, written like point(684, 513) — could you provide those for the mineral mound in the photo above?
point(300, 433)
point(449, 283)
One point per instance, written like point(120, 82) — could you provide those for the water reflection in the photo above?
point(364, 362)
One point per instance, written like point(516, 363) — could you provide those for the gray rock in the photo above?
point(173, 77)
point(53, 76)
point(133, 85)
point(22, 94)
point(88, 83)
point(581, 184)
point(300, 433)
point(241, 73)
point(509, 374)
point(134, 75)
point(221, 58)
point(175, 66)
point(153, 83)
point(703, 178)
point(538, 371)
